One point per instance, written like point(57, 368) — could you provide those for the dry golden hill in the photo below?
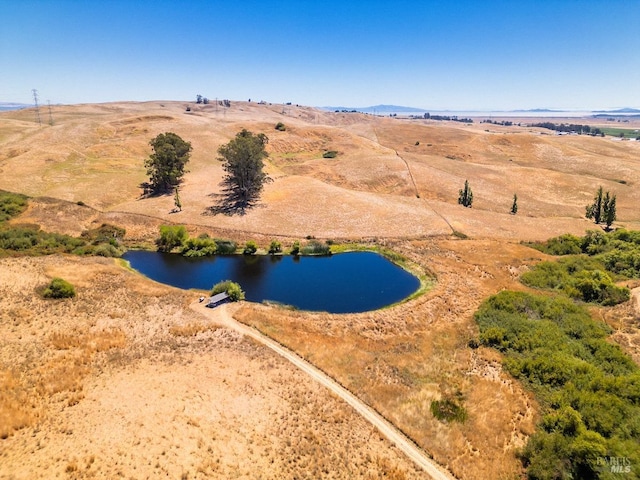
point(392, 177)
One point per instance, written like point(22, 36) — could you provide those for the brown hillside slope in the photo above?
point(95, 154)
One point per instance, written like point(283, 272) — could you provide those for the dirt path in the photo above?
point(222, 316)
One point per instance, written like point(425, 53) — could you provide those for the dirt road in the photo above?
point(222, 316)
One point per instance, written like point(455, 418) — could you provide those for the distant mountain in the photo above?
point(12, 106)
point(540, 110)
point(378, 109)
point(620, 110)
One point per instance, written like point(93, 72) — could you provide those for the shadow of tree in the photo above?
point(229, 205)
point(149, 192)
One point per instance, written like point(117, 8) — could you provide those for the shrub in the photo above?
point(295, 248)
point(448, 410)
point(316, 248)
point(201, 246)
point(11, 205)
point(579, 277)
point(563, 245)
point(280, 127)
point(275, 247)
point(250, 248)
point(106, 250)
point(225, 247)
point(588, 389)
point(231, 288)
point(59, 288)
point(330, 154)
point(171, 236)
point(30, 240)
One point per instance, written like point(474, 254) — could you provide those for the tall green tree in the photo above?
point(243, 161)
point(166, 165)
point(594, 211)
point(603, 208)
point(610, 212)
point(465, 196)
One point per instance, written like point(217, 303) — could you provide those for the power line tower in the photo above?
point(50, 116)
point(35, 100)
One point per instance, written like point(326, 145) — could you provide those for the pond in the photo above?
point(343, 283)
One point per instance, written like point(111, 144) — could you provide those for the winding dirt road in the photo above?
point(222, 316)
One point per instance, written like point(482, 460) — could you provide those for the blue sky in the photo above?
point(457, 55)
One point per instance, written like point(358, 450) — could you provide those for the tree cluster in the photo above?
point(465, 196)
point(453, 118)
point(570, 128)
point(603, 208)
point(504, 123)
point(175, 237)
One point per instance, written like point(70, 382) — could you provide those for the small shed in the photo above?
point(217, 299)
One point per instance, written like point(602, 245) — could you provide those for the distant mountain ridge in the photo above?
point(378, 109)
point(619, 110)
point(12, 106)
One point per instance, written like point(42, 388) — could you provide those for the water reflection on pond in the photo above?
point(343, 283)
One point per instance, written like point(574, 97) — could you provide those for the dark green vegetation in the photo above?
point(603, 208)
point(314, 247)
point(11, 205)
point(243, 161)
point(514, 206)
point(330, 154)
point(176, 237)
point(250, 248)
point(448, 410)
point(28, 239)
point(165, 166)
point(465, 196)
point(588, 388)
point(446, 118)
point(59, 288)
point(572, 128)
point(275, 247)
point(618, 252)
point(580, 277)
point(590, 267)
point(281, 127)
point(171, 236)
point(230, 288)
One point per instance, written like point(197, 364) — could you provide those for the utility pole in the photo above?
point(50, 116)
point(35, 99)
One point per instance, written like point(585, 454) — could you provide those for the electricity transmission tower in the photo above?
point(35, 100)
point(50, 116)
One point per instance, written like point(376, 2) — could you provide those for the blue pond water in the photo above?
point(342, 283)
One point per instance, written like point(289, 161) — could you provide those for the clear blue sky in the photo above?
point(458, 55)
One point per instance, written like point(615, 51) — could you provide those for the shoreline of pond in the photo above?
point(389, 287)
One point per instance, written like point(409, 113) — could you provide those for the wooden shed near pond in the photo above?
point(217, 299)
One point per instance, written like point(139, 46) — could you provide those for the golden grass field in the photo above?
point(126, 380)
